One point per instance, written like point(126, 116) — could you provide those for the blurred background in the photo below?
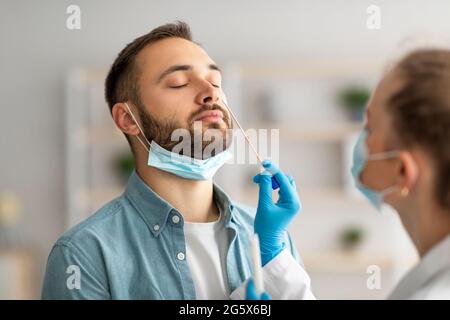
point(303, 67)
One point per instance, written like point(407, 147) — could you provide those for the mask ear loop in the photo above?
point(389, 190)
point(142, 131)
point(383, 155)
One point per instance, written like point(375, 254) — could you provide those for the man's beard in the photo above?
point(161, 132)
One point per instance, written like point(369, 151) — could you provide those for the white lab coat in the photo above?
point(284, 278)
point(430, 278)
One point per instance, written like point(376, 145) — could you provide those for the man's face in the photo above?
point(179, 84)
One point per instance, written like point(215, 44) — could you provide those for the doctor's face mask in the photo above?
point(374, 168)
point(360, 159)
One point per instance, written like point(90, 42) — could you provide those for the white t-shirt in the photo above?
point(206, 250)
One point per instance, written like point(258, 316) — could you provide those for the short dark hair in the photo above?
point(122, 81)
point(420, 111)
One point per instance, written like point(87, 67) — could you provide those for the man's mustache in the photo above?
point(210, 107)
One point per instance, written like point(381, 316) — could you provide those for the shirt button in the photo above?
point(156, 227)
point(175, 219)
point(180, 256)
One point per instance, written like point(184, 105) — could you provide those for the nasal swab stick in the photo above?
point(257, 268)
point(243, 132)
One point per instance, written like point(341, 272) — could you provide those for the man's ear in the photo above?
point(124, 121)
point(408, 171)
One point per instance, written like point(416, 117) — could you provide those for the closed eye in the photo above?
point(178, 87)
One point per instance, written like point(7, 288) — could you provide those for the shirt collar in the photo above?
point(224, 203)
point(148, 203)
point(155, 210)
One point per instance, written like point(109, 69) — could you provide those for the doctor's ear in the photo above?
point(123, 119)
point(408, 172)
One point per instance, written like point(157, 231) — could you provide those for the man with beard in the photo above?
point(173, 234)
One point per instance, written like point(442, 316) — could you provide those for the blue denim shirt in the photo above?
point(134, 248)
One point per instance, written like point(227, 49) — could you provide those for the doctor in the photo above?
point(402, 158)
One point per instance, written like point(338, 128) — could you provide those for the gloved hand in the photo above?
point(272, 219)
point(251, 293)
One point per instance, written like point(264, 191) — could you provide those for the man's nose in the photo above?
point(208, 94)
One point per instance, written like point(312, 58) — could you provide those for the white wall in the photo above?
point(37, 50)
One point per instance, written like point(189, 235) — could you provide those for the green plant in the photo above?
point(124, 164)
point(351, 236)
point(354, 98)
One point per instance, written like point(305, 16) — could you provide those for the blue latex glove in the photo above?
point(252, 294)
point(272, 219)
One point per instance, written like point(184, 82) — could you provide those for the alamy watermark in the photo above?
point(74, 280)
point(373, 281)
point(201, 144)
point(374, 19)
point(73, 21)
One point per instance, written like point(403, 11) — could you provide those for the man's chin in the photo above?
point(215, 127)
point(206, 154)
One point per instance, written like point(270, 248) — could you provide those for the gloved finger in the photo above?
point(277, 174)
point(251, 291)
point(275, 184)
point(292, 181)
point(265, 296)
point(265, 187)
point(272, 168)
point(287, 191)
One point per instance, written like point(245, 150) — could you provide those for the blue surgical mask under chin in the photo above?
point(181, 165)
point(184, 166)
point(360, 158)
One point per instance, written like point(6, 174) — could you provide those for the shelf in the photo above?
point(313, 68)
point(16, 268)
point(320, 132)
point(99, 135)
point(308, 195)
point(323, 132)
point(348, 262)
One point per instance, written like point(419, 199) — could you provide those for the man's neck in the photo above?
point(192, 198)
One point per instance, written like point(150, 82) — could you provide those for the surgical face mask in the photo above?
point(360, 159)
point(181, 165)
